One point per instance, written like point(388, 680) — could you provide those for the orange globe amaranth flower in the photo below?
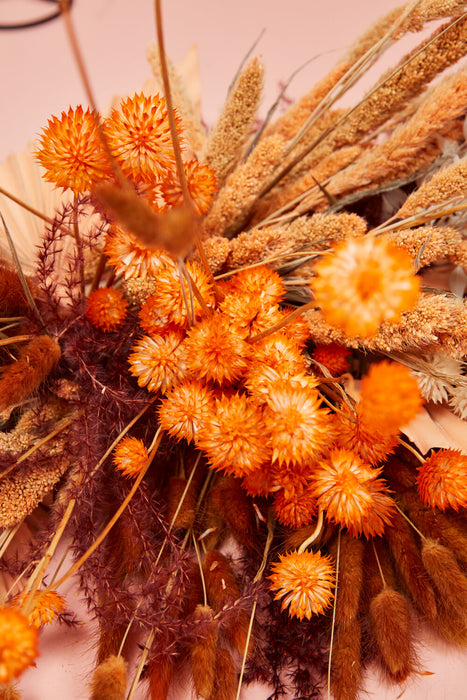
point(234, 438)
point(106, 308)
point(292, 479)
point(139, 137)
point(389, 398)
point(130, 456)
point(365, 282)
point(296, 423)
point(304, 581)
point(158, 362)
point(333, 356)
point(442, 480)
point(295, 510)
point(350, 494)
point(18, 644)
point(172, 301)
point(71, 153)
point(215, 352)
point(185, 409)
point(47, 606)
point(202, 186)
point(297, 329)
point(131, 258)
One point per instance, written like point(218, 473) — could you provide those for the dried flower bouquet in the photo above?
point(214, 375)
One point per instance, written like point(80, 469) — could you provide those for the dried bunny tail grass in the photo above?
point(350, 579)
point(346, 670)
point(437, 322)
point(35, 362)
point(429, 244)
point(226, 677)
point(160, 674)
point(109, 680)
point(233, 204)
point(221, 583)
point(194, 132)
point(183, 517)
point(13, 300)
point(391, 623)
point(22, 492)
point(445, 573)
point(226, 140)
point(232, 503)
point(203, 651)
point(446, 184)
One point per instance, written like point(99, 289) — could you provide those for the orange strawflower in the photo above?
point(366, 281)
point(259, 282)
point(202, 187)
point(47, 605)
point(185, 409)
point(215, 352)
point(350, 494)
point(106, 308)
point(259, 482)
point(130, 456)
point(71, 153)
point(297, 329)
point(333, 357)
point(260, 378)
point(442, 480)
point(18, 644)
point(372, 446)
point(234, 439)
point(278, 352)
point(295, 510)
point(304, 581)
point(296, 423)
point(389, 398)
point(139, 137)
point(292, 479)
point(158, 362)
point(131, 258)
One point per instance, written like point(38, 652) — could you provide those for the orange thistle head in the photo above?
point(47, 605)
point(18, 644)
point(139, 137)
point(389, 399)
point(350, 494)
point(158, 362)
point(304, 581)
point(365, 282)
point(234, 438)
point(295, 510)
point(130, 456)
point(202, 187)
point(70, 151)
point(131, 258)
point(333, 356)
point(106, 308)
point(442, 480)
point(186, 409)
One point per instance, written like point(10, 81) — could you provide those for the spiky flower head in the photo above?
point(332, 356)
point(131, 258)
point(365, 282)
point(185, 409)
point(350, 494)
point(158, 362)
point(106, 308)
point(130, 456)
point(201, 183)
point(47, 605)
point(70, 150)
point(442, 480)
point(18, 644)
point(139, 137)
point(304, 581)
point(295, 510)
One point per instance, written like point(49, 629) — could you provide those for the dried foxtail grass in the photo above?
point(429, 244)
point(392, 627)
point(203, 652)
point(109, 680)
point(446, 184)
point(446, 574)
point(346, 668)
point(228, 137)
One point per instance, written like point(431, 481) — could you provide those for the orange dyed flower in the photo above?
point(295, 510)
point(304, 581)
point(130, 456)
point(389, 398)
point(18, 644)
point(139, 137)
point(296, 423)
point(442, 480)
point(215, 352)
point(158, 362)
point(350, 494)
point(278, 352)
point(131, 258)
point(261, 282)
point(71, 153)
point(47, 605)
point(333, 357)
point(234, 438)
point(371, 445)
point(202, 187)
point(186, 409)
point(365, 282)
point(106, 308)
point(261, 378)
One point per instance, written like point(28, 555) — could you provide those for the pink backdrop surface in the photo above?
point(39, 78)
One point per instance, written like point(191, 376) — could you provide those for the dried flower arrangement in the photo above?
point(240, 482)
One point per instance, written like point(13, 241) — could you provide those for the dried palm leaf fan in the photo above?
point(217, 387)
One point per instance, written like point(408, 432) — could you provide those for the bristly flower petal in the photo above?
point(18, 644)
point(130, 456)
point(442, 480)
point(158, 362)
point(106, 308)
point(185, 409)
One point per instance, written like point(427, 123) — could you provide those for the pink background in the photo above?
point(38, 78)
